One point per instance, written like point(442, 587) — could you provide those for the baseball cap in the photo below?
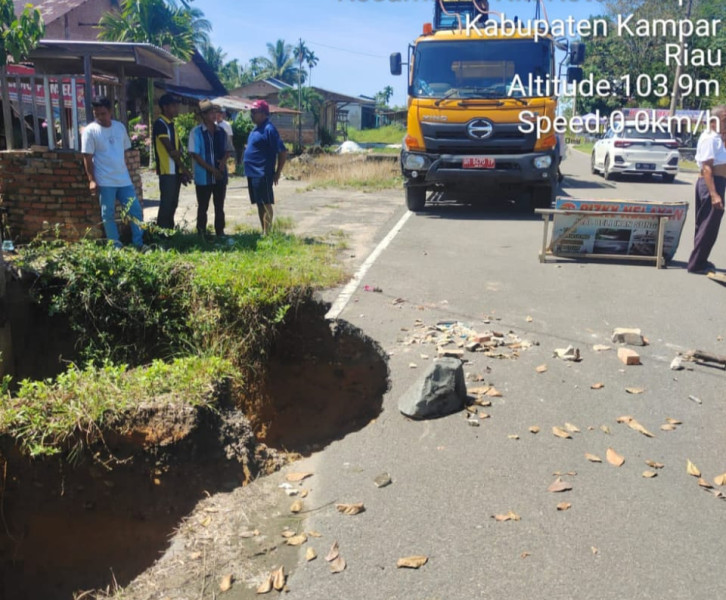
point(260, 105)
point(168, 99)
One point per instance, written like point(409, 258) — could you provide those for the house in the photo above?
point(77, 20)
point(339, 110)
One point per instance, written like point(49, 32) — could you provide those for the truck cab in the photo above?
point(469, 90)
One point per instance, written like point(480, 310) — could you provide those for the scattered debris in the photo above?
point(593, 458)
point(630, 337)
point(297, 506)
point(561, 433)
point(510, 516)
point(226, 583)
point(654, 465)
point(614, 458)
point(649, 474)
point(383, 480)
point(297, 477)
point(534, 429)
point(597, 386)
point(677, 364)
point(695, 399)
point(372, 288)
point(310, 554)
point(692, 469)
point(635, 390)
point(699, 356)
point(333, 553)
point(570, 353)
point(628, 356)
point(720, 480)
point(563, 506)
point(633, 424)
point(337, 565)
point(350, 509)
point(411, 562)
point(601, 348)
point(558, 486)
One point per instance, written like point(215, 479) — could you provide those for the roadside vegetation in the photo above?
point(388, 134)
point(173, 323)
point(351, 171)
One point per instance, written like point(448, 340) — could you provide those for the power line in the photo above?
point(346, 50)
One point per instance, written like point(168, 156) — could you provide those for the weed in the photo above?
point(347, 171)
point(389, 134)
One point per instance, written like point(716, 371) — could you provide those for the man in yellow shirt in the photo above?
point(169, 166)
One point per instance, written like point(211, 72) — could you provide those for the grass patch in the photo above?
point(70, 413)
point(393, 151)
point(350, 171)
point(389, 134)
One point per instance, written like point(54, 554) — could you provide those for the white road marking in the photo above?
point(342, 301)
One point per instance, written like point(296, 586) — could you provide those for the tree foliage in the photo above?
point(18, 34)
point(611, 57)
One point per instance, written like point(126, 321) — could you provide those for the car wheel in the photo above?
point(668, 178)
point(415, 198)
point(593, 169)
point(606, 172)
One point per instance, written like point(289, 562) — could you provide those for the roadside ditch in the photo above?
point(96, 520)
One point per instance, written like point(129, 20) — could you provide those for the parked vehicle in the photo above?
point(465, 111)
point(624, 149)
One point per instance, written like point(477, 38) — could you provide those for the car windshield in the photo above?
point(480, 68)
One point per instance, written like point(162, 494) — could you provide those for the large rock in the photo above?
point(439, 392)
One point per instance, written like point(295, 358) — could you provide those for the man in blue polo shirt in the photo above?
point(264, 158)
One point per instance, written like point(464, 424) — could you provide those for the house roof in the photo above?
point(49, 9)
point(209, 74)
point(336, 97)
point(63, 57)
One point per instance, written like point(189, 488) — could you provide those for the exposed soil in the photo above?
point(65, 529)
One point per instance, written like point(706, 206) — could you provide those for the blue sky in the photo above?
point(352, 38)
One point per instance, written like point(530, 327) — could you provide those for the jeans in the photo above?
point(169, 186)
point(126, 195)
point(217, 192)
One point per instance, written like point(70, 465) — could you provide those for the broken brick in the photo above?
point(631, 337)
point(628, 356)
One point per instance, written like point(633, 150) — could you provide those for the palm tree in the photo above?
point(280, 63)
point(214, 57)
point(312, 61)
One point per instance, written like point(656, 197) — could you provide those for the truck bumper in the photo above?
point(445, 169)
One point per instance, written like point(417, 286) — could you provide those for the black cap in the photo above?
point(168, 99)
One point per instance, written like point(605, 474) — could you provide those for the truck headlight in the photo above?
point(413, 162)
point(543, 162)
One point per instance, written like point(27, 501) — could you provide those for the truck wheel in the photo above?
point(593, 168)
point(415, 198)
point(543, 196)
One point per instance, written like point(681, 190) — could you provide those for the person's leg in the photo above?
point(219, 192)
point(107, 200)
point(252, 189)
point(269, 202)
point(168, 200)
point(708, 223)
point(261, 214)
point(204, 193)
point(131, 206)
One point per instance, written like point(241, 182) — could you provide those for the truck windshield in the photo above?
point(479, 68)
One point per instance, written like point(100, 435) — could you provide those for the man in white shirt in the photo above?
point(104, 145)
point(710, 189)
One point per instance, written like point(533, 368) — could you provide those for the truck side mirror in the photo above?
point(396, 63)
point(574, 74)
point(577, 53)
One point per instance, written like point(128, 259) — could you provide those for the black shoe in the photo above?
point(704, 270)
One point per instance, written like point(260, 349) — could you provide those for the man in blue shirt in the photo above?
point(209, 148)
point(264, 158)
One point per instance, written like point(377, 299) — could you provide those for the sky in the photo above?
point(353, 39)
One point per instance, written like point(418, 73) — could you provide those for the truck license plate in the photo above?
point(478, 162)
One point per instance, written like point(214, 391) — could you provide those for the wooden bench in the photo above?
point(548, 213)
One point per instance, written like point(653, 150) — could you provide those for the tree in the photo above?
point(214, 57)
point(280, 63)
point(18, 36)
point(384, 96)
point(153, 22)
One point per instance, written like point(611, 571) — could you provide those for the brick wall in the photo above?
point(47, 189)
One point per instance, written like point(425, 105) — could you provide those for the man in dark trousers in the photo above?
point(710, 190)
point(264, 158)
point(169, 166)
point(210, 148)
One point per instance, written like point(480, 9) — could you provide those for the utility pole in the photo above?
point(299, 97)
point(676, 82)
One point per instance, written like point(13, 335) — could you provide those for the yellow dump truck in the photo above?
point(477, 83)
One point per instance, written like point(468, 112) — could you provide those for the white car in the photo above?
point(624, 149)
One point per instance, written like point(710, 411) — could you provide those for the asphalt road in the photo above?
point(625, 536)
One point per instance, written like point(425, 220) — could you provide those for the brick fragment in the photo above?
point(628, 356)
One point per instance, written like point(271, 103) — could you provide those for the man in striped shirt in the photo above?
point(209, 148)
point(169, 166)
